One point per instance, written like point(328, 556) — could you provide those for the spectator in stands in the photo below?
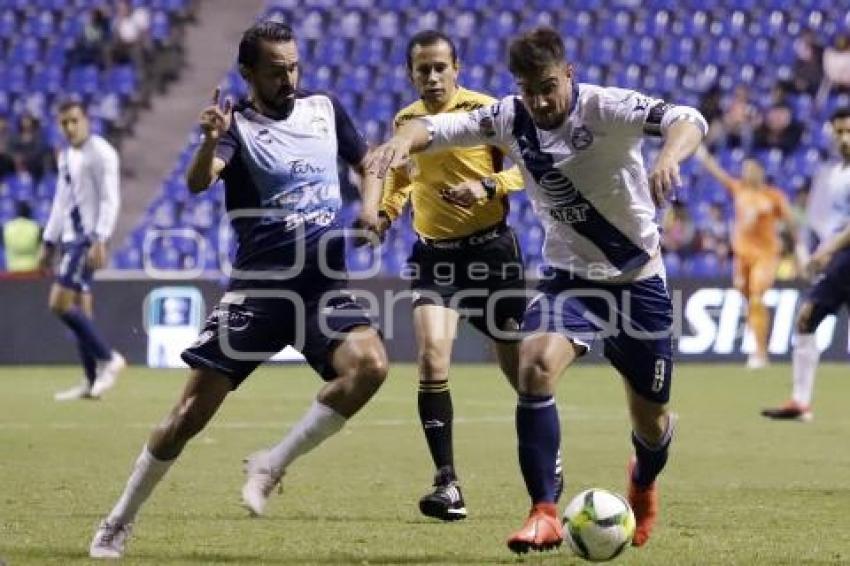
point(711, 104)
point(735, 126)
point(807, 70)
point(799, 203)
point(29, 147)
point(779, 130)
point(130, 40)
point(836, 64)
point(714, 233)
point(7, 161)
point(22, 240)
point(678, 229)
point(92, 45)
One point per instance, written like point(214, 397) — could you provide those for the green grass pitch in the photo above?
point(738, 489)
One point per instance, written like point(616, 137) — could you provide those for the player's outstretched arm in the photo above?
point(368, 221)
point(680, 140)
point(205, 166)
point(411, 137)
point(712, 166)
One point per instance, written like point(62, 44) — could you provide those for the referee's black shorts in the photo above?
point(482, 276)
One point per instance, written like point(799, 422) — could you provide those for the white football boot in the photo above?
point(109, 540)
point(81, 391)
point(260, 481)
point(107, 373)
point(756, 361)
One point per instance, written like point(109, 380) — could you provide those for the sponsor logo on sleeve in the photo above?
point(581, 138)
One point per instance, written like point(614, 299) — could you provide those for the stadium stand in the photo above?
point(683, 51)
point(51, 49)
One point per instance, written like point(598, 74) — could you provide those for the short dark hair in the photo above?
point(427, 38)
point(72, 101)
point(266, 30)
point(840, 113)
point(534, 50)
point(23, 209)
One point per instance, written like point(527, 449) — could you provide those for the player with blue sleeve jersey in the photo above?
point(579, 149)
point(277, 155)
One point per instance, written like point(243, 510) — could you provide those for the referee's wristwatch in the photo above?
point(489, 187)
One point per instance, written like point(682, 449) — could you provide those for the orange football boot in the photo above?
point(644, 502)
point(541, 531)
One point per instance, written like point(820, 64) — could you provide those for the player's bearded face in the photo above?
point(274, 79)
point(434, 72)
point(547, 94)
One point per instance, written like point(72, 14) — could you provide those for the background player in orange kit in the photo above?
point(759, 208)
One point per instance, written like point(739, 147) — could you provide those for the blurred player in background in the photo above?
point(277, 155)
point(759, 208)
point(83, 217)
point(828, 226)
point(459, 200)
point(579, 149)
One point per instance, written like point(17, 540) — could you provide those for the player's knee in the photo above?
point(804, 321)
point(372, 368)
point(536, 376)
point(57, 306)
point(433, 363)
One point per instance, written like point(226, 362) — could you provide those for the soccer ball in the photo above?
point(598, 525)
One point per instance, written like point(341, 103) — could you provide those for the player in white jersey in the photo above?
point(579, 149)
point(83, 217)
point(828, 223)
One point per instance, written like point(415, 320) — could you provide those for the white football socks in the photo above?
point(318, 424)
point(805, 361)
point(146, 474)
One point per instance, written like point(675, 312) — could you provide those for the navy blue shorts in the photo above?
point(73, 271)
point(249, 326)
point(634, 321)
point(831, 289)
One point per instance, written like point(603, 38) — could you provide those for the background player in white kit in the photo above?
point(83, 217)
point(579, 149)
point(828, 224)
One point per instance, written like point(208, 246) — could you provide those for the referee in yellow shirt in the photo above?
point(465, 252)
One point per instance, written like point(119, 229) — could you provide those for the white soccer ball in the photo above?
point(598, 525)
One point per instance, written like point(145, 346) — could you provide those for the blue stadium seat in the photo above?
point(8, 24)
point(84, 80)
point(21, 186)
point(464, 25)
point(160, 29)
